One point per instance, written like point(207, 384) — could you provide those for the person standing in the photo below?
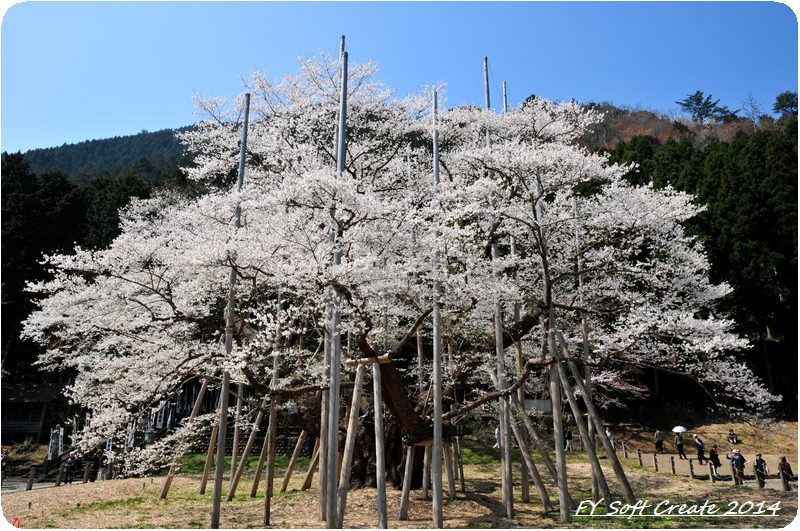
point(785, 470)
point(568, 440)
point(761, 470)
point(698, 443)
point(679, 446)
point(713, 456)
point(659, 440)
point(611, 438)
point(738, 461)
point(70, 468)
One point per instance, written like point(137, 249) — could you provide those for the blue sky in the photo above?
point(77, 71)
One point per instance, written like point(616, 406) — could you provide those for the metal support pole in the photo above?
point(334, 332)
point(436, 450)
point(380, 466)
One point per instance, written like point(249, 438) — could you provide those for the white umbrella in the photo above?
point(679, 429)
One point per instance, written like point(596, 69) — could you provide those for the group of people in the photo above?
point(736, 458)
point(97, 461)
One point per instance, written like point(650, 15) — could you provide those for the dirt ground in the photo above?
point(134, 503)
point(776, 438)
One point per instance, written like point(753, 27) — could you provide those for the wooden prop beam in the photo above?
point(460, 464)
point(426, 472)
point(349, 445)
point(537, 440)
point(248, 447)
point(448, 466)
point(212, 445)
point(262, 458)
point(406, 494)
point(598, 424)
point(597, 472)
point(312, 466)
point(174, 466)
point(531, 468)
point(293, 461)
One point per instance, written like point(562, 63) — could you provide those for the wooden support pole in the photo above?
point(597, 472)
point(272, 437)
point(322, 483)
point(174, 466)
point(612, 455)
point(87, 470)
point(311, 467)
point(293, 461)
point(537, 440)
point(460, 464)
point(351, 364)
point(349, 445)
point(448, 466)
point(35, 470)
point(625, 449)
point(455, 458)
point(262, 458)
point(672, 463)
point(380, 466)
point(426, 472)
point(503, 402)
point(531, 468)
point(219, 466)
point(691, 468)
point(655, 462)
point(212, 445)
point(639, 456)
point(237, 429)
point(711, 472)
point(406, 494)
point(251, 441)
point(420, 357)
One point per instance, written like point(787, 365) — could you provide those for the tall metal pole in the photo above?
point(229, 324)
point(505, 428)
point(322, 492)
point(335, 337)
point(523, 466)
point(486, 81)
point(436, 458)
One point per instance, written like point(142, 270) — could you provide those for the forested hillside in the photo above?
point(749, 228)
point(148, 154)
point(744, 169)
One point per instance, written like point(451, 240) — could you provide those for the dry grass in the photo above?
point(134, 503)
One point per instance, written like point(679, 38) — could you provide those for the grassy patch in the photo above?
point(192, 464)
